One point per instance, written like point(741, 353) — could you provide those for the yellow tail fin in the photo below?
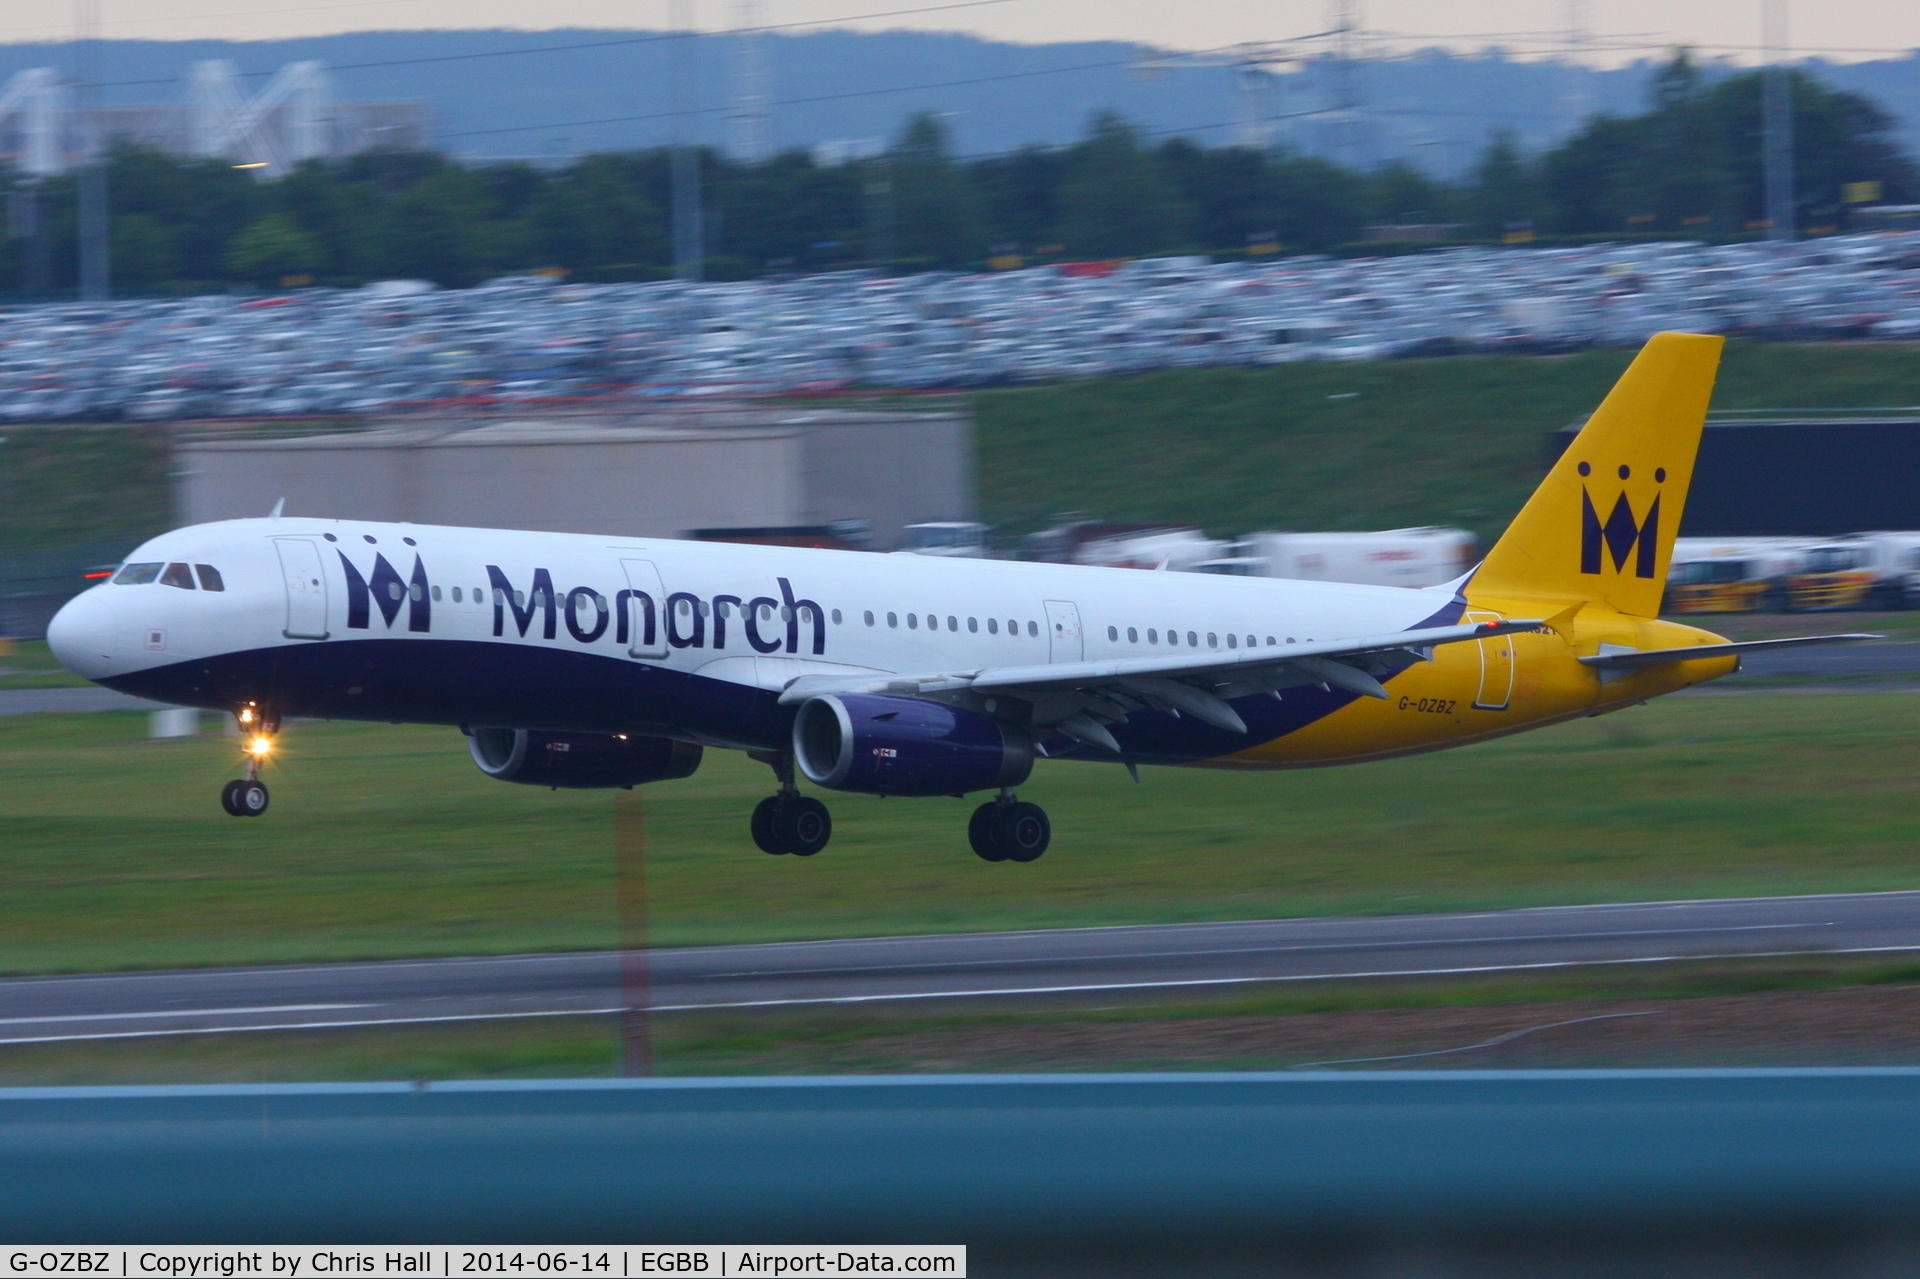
point(1601, 525)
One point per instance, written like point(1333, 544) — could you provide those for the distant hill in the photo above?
point(1435, 107)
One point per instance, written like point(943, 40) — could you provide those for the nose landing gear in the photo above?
point(244, 797)
point(1009, 830)
point(247, 796)
point(789, 822)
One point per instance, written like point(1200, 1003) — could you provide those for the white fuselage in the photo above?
point(731, 618)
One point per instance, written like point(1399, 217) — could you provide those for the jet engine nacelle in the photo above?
point(579, 761)
point(906, 746)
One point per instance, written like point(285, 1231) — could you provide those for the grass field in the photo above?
point(386, 841)
point(30, 664)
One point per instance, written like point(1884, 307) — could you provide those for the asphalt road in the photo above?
point(1067, 964)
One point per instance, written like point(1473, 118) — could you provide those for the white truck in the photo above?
point(1411, 557)
point(949, 539)
point(1893, 557)
point(1176, 549)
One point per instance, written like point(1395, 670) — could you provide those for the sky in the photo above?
point(1839, 30)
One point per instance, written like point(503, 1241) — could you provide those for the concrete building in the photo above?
point(658, 474)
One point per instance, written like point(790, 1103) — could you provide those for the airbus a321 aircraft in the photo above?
point(583, 661)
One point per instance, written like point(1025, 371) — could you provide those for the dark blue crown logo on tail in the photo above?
point(1622, 535)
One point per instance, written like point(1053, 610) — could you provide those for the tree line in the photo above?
point(1689, 164)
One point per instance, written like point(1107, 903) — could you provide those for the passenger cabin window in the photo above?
point(209, 577)
point(869, 617)
point(993, 626)
point(1033, 630)
point(137, 574)
point(178, 575)
point(1113, 633)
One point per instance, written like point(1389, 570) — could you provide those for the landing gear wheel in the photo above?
point(1021, 831)
point(763, 826)
point(980, 833)
point(244, 798)
point(797, 824)
point(803, 825)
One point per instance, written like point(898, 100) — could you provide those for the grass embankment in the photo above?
point(1406, 442)
point(387, 842)
point(1443, 441)
point(64, 486)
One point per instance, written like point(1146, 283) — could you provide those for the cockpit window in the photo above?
point(209, 578)
point(137, 574)
point(178, 575)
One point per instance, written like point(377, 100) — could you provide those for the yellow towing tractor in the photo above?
point(1776, 575)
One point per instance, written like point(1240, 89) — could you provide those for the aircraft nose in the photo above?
point(81, 635)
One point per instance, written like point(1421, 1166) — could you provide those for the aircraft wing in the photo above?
point(1080, 698)
point(1611, 657)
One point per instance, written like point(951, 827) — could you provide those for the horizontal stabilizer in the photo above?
point(1618, 659)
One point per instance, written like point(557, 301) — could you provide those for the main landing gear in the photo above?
point(247, 796)
point(1009, 830)
point(1003, 829)
point(789, 822)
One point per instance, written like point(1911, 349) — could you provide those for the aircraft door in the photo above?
point(1063, 632)
point(306, 583)
point(1496, 666)
point(646, 609)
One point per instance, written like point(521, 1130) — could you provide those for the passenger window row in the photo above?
point(932, 622)
point(179, 575)
point(1193, 638)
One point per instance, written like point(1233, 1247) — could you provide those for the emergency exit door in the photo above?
point(1063, 632)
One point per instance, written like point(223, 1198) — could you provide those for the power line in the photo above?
point(823, 97)
point(604, 44)
point(941, 84)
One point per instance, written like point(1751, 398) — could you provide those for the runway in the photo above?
point(1023, 967)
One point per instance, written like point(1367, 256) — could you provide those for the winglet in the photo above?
point(278, 507)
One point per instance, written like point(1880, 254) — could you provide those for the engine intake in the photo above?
point(579, 761)
point(906, 746)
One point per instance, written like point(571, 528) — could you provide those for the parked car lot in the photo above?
point(526, 338)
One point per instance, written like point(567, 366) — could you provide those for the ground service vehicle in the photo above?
point(583, 661)
point(952, 539)
point(1830, 576)
point(1393, 557)
point(1718, 585)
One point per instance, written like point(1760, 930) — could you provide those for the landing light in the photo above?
point(260, 746)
